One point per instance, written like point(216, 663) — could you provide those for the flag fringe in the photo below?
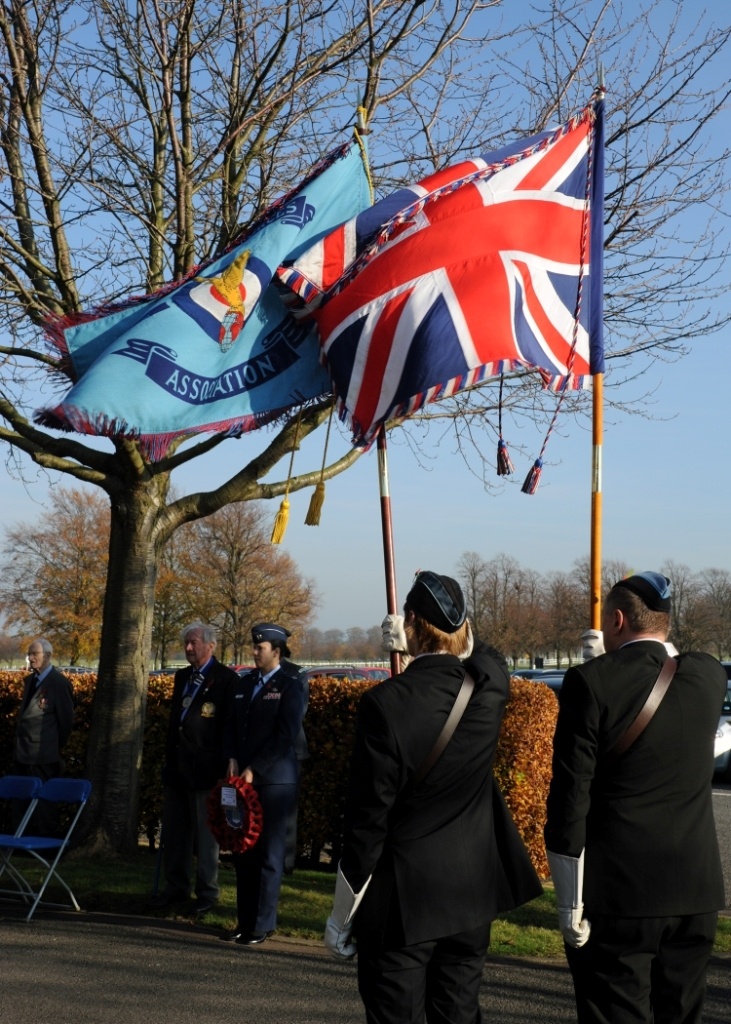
point(155, 446)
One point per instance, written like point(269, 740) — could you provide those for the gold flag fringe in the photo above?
point(282, 517)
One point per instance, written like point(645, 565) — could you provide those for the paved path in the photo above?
point(65, 968)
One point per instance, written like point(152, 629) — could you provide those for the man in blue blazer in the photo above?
point(194, 763)
point(264, 720)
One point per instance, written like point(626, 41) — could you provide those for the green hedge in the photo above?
point(522, 767)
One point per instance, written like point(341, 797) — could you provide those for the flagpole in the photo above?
point(387, 532)
point(595, 568)
point(595, 610)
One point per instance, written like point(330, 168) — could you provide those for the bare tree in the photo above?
point(234, 577)
point(138, 139)
point(716, 590)
point(173, 608)
point(566, 611)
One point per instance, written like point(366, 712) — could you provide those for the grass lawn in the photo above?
point(123, 886)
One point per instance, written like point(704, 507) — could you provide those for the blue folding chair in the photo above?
point(19, 788)
point(60, 791)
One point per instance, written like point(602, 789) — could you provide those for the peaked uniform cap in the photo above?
point(269, 631)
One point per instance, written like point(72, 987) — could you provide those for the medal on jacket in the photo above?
point(191, 691)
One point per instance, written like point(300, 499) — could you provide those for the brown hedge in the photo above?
point(522, 766)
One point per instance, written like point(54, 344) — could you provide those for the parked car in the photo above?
point(552, 679)
point(337, 672)
point(722, 764)
point(378, 674)
point(530, 673)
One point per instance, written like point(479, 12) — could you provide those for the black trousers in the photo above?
point(643, 970)
point(438, 979)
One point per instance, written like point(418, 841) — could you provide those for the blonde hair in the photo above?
point(430, 640)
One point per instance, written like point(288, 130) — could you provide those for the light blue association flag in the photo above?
point(218, 353)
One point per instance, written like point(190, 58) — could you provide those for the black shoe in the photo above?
point(231, 936)
point(166, 899)
point(203, 906)
point(252, 940)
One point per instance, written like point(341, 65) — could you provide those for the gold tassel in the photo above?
point(318, 497)
point(316, 502)
point(282, 517)
point(280, 522)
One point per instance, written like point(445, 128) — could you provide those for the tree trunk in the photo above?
point(116, 735)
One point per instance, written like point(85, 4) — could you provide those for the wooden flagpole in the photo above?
point(595, 612)
point(597, 430)
point(387, 531)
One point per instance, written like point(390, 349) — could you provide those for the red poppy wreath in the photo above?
point(236, 829)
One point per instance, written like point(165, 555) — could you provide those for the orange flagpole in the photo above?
point(387, 531)
point(595, 566)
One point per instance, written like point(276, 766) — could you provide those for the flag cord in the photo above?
point(358, 132)
point(282, 517)
point(318, 497)
point(504, 463)
point(530, 484)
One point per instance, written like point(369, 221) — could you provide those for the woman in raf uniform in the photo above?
point(264, 721)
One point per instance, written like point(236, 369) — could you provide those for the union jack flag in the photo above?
point(491, 264)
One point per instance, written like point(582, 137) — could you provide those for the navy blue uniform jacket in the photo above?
point(261, 734)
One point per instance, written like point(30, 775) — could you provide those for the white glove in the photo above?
point(339, 925)
point(723, 739)
point(568, 881)
point(592, 644)
point(394, 638)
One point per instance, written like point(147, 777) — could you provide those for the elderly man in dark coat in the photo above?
point(44, 724)
point(194, 763)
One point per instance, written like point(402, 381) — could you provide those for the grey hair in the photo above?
point(45, 645)
point(207, 632)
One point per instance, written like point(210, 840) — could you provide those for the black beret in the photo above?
point(439, 600)
point(651, 587)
